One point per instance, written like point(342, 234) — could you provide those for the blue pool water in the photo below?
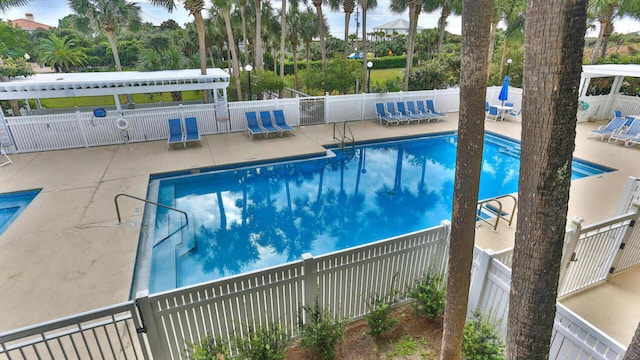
point(12, 204)
point(257, 216)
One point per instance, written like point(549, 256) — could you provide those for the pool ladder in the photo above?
point(342, 134)
point(493, 206)
point(186, 217)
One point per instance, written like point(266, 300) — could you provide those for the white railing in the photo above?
point(341, 282)
point(107, 333)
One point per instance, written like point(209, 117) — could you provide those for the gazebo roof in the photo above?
point(396, 24)
point(111, 83)
point(631, 70)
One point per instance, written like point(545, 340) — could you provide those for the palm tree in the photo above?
point(257, 49)
point(366, 4)
point(308, 30)
point(514, 18)
point(473, 87)
point(60, 53)
point(107, 15)
point(447, 7)
point(8, 4)
point(223, 7)
point(293, 30)
point(283, 37)
point(605, 12)
point(323, 50)
point(550, 92)
point(415, 6)
point(195, 8)
point(348, 6)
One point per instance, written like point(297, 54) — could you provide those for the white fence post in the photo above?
point(479, 277)
point(326, 108)
point(158, 348)
point(310, 283)
point(570, 242)
point(630, 191)
point(82, 129)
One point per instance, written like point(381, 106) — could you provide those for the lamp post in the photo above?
point(369, 66)
point(27, 56)
point(248, 68)
point(509, 61)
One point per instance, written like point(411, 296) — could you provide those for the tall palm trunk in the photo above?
point(283, 38)
point(202, 49)
point(307, 50)
point(552, 71)
point(234, 56)
point(633, 351)
point(244, 32)
point(492, 44)
point(365, 73)
point(442, 23)
point(347, 17)
point(294, 48)
point(596, 49)
point(503, 59)
point(111, 36)
point(318, 5)
point(414, 12)
point(257, 49)
point(608, 30)
point(476, 14)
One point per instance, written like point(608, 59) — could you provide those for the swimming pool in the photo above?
point(261, 215)
point(12, 204)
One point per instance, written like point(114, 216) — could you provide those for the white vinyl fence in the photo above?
point(341, 282)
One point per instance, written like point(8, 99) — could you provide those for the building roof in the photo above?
point(605, 70)
point(396, 24)
point(28, 25)
point(111, 83)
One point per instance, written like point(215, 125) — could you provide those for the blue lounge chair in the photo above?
point(383, 115)
point(493, 114)
point(486, 106)
point(175, 133)
point(607, 130)
point(191, 132)
point(617, 113)
point(411, 107)
point(278, 116)
point(407, 114)
point(391, 109)
point(508, 104)
point(432, 109)
point(267, 123)
point(426, 111)
point(630, 136)
point(253, 127)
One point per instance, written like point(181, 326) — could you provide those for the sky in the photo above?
point(50, 11)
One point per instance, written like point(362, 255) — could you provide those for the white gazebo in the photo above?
point(60, 85)
point(601, 106)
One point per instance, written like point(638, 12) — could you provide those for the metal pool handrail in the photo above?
point(115, 199)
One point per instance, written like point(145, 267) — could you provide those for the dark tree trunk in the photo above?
point(476, 15)
point(633, 351)
point(552, 69)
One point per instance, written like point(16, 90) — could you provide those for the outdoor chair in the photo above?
point(278, 116)
point(617, 113)
point(407, 114)
point(391, 109)
point(509, 104)
point(383, 115)
point(432, 109)
point(630, 136)
point(3, 153)
point(486, 106)
point(175, 133)
point(493, 114)
point(607, 130)
point(411, 107)
point(267, 123)
point(426, 111)
point(253, 127)
point(191, 132)
point(514, 114)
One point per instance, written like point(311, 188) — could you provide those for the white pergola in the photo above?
point(60, 85)
point(618, 72)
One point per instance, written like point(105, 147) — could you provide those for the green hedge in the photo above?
point(385, 62)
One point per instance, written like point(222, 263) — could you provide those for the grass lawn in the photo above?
point(106, 100)
point(381, 75)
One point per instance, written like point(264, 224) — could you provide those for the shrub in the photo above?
point(429, 296)
point(264, 344)
point(481, 340)
point(209, 349)
point(322, 333)
point(379, 317)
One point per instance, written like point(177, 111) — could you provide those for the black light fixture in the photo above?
point(369, 66)
point(248, 68)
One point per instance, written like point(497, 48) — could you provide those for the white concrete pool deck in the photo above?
point(66, 253)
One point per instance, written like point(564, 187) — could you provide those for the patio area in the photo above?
point(66, 253)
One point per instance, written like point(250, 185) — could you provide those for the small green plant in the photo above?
point(379, 317)
point(406, 346)
point(322, 333)
point(209, 348)
point(266, 343)
point(429, 295)
point(481, 340)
